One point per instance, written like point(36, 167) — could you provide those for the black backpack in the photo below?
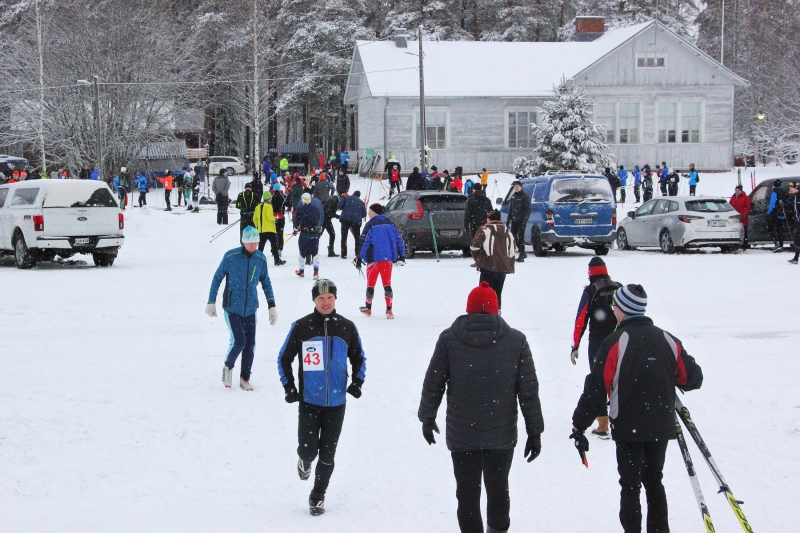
point(602, 299)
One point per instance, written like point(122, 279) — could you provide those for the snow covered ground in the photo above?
point(113, 417)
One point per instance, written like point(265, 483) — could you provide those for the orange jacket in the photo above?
point(167, 181)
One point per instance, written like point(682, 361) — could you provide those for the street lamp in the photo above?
point(95, 83)
point(760, 116)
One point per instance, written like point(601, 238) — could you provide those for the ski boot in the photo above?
point(226, 376)
point(316, 275)
point(777, 249)
point(279, 262)
point(389, 314)
point(316, 507)
point(303, 469)
point(245, 384)
point(331, 253)
point(300, 273)
point(793, 261)
point(366, 310)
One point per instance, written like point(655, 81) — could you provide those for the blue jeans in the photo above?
point(243, 341)
point(594, 345)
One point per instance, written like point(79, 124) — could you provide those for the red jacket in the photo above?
point(742, 205)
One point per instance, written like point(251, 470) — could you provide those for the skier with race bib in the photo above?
point(393, 172)
point(323, 341)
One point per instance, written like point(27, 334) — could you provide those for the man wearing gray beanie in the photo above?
point(637, 369)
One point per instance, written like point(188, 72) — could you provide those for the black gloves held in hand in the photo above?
point(354, 390)
point(427, 431)
point(533, 446)
point(291, 394)
point(581, 442)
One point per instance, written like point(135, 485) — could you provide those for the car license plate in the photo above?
point(81, 241)
point(450, 233)
point(716, 223)
point(583, 220)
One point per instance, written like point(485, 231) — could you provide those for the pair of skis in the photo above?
point(682, 414)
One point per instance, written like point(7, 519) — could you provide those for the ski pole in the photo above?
point(289, 238)
point(218, 234)
point(698, 492)
point(683, 412)
point(433, 232)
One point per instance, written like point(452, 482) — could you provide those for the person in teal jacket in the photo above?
point(242, 269)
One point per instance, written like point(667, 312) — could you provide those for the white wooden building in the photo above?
point(659, 97)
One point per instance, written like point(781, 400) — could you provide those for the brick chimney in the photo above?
point(589, 28)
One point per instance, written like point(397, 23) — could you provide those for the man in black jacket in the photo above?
point(637, 368)
point(486, 367)
point(415, 181)
point(329, 209)
point(518, 212)
point(246, 203)
point(477, 210)
point(342, 182)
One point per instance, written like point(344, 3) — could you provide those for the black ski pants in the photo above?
point(641, 463)
point(328, 226)
point(518, 231)
point(273, 243)
point(222, 210)
point(355, 229)
point(637, 193)
point(775, 228)
point(280, 223)
point(495, 281)
point(648, 195)
point(167, 195)
point(493, 466)
point(142, 198)
point(318, 433)
point(622, 194)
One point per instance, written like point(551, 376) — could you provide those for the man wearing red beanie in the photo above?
point(486, 367)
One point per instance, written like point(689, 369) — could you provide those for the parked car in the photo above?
point(42, 219)
point(680, 222)
point(234, 165)
point(8, 164)
point(757, 232)
point(411, 211)
point(568, 210)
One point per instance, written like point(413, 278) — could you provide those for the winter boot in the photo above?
point(303, 469)
point(244, 384)
point(490, 529)
point(343, 256)
point(189, 208)
point(366, 310)
point(316, 507)
point(331, 253)
point(389, 314)
point(196, 210)
point(520, 259)
point(279, 262)
point(316, 275)
point(777, 249)
point(602, 428)
point(226, 376)
point(299, 273)
point(793, 260)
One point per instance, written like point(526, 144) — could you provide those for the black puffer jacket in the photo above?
point(476, 211)
point(520, 207)
point(485, 366)
point(415, 181)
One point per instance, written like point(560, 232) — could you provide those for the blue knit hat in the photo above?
point(631, 299)
point(250, 235)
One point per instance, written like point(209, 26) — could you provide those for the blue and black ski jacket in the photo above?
point(242, 274)
point(323, 343)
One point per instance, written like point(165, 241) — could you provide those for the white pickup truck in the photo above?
point(42, 219)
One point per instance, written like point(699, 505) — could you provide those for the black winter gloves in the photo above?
point(291, 394)
point(581, 444)
point(533, 446)
point(354, 390)
point(427, 431)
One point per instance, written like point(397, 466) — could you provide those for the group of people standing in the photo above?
point(643, 180)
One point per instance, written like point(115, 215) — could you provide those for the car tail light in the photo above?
point(737, 218)
point(417, 215)
point(121, 221)
point(688, 218)
point(550, 220)
point(614, 217)
point(38, 223)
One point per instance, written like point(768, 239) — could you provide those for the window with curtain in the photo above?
point(521, 127)
point(435, 128)
point(667, 122)
point(690, 122)
point(606, 115)
point(629, 123)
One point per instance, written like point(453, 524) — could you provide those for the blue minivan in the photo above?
point(568, 210)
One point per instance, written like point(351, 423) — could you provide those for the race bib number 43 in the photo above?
point(312, 356)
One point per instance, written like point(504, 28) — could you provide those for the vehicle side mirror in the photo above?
point(499, 201)
point(631, 214)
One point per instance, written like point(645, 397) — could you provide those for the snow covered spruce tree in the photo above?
point(567, 137)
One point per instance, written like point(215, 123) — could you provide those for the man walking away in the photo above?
point(518, 212)
point(476, 210)
point(166, 181)
point(594, 311)
point(486, 367)
point(415, 181)
point(637, 367)
point(741, 202)
point(694, 179)
point(353, 212)
point(278, 208)
point(323, 341)
point(793, 215)
point(329, 209)
point(493, 249)
point(242, 269)
point(308, 223)
point(323, 189)
point(264, 222)
point(775, 217)
point(381, 247)
point(246, 203)
point(220, 188)
point(141, 182)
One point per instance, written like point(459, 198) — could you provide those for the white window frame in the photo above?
point(518, 109)
point(616, 102)
point(679, 118)
point(655, 56)
point(429, 108)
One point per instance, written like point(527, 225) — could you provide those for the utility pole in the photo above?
point(722, 36)
point(41, 90)
point(256, 117)
point(423, 136)
point(97, 126)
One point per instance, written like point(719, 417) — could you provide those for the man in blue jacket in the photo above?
point(381, 247)
point(344, 160)
point(308, 223)
point(324, 341)
point(623, 182)
point(353, 212)
point(242, 269)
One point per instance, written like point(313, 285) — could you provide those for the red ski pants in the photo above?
point(384, 269)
